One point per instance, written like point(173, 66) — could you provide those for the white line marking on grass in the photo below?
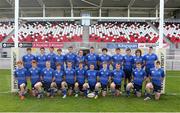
point(173, 76)
point(172, 94)
point(5, 92)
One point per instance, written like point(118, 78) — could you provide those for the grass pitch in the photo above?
point(170, 102)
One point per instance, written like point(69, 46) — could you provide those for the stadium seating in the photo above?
point(5, 29)
point(171, 31)
point(62, 31)
point(139, 32)
point(50, 31)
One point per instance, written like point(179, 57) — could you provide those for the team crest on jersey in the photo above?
point(159, 72)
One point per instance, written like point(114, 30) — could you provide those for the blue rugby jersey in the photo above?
point(156, 75)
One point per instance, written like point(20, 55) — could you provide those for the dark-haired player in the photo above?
point(104, 77)
point(51, 56)
point(91, 77)
point(27, 59)
point(139, 76)
point(41, 59)
point(156, 77)
point(117, 77)
point(128, 66)
point(59, 77)
point(117, 58)
point(138, 58)
point(70, 56)
point(59, 58)
point(92, 58)
point(80, 78)
point(35, 79)
point(80, 58)
point(70, 76)
point(149, 60)
point(104, 58)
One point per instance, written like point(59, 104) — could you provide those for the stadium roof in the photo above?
point(6, 6)
point(91, 3)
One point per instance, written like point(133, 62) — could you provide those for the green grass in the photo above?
point(168, 103)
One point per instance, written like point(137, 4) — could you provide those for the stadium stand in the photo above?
point(50, 31)
point(139, 32)
point(171, 31)
point(61, 31)
point(5, 29)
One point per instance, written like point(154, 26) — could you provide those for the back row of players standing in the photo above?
point(127, 61)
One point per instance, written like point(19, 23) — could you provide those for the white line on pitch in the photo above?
point(5, 92)
point(173, 76)
point(170, 94)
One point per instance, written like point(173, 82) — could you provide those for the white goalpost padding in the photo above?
point(161, 52)
point(14, 59)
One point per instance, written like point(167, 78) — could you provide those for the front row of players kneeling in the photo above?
point(89, 83)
